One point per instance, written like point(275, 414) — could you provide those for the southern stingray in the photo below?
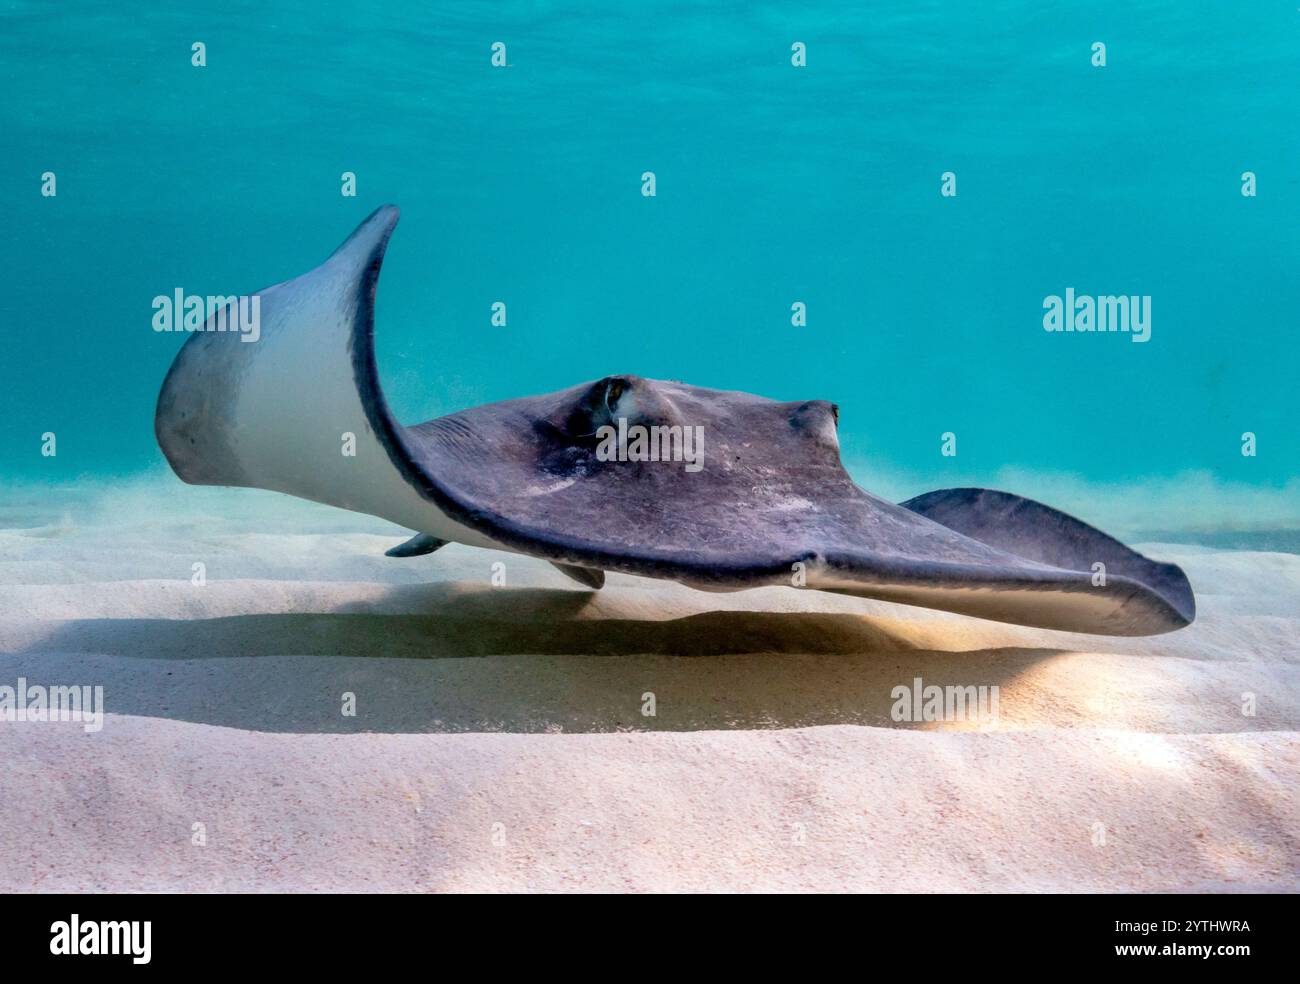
point(771, 504)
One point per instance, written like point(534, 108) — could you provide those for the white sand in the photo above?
point(499, 742)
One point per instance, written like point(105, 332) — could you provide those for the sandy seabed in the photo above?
point(499, 741)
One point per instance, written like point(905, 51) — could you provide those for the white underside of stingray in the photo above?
point(276, 413)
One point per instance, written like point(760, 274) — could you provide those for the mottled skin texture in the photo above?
point(772, 493)
point(772, 504)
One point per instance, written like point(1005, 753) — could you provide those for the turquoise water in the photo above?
point(775, 184)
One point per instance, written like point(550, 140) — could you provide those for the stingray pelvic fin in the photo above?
point(590, 577)
point(421, 543)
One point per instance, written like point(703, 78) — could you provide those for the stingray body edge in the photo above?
point(301, 411)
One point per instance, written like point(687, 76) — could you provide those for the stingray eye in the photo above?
point(613, 393)
point(835, 413)
point(599, 406)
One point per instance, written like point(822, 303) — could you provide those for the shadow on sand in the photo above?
point(510, 661)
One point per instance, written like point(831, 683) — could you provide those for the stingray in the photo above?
point(300, 411)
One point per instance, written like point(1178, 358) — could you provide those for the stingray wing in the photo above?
point(299, 409)
point(1063, 573)
point(1043, 535)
